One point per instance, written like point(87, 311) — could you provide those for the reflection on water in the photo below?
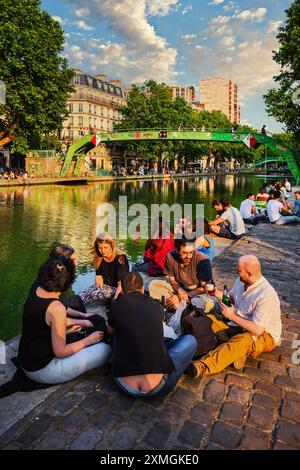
point(33, 219)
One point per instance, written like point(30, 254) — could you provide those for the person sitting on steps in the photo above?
point(255, 310)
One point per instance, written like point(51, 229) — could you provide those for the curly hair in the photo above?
point(56, 276)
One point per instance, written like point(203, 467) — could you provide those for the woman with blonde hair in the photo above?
point(111, 267)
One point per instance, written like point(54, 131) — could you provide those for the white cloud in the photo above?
point(257, 15)
point(61, 20)
point(219, 20)
point(76, 54)
point(227, 41)
point(160, 7)
point(199, 47)
point(187, 9)
point(274, 25)
point(83, 25)
point(216, 2)
point(82, 12)
point(188, 37)
point(143, 53)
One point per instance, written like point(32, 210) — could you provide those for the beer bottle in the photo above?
point(226, 297)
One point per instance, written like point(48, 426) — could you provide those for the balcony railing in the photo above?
point(95, 99)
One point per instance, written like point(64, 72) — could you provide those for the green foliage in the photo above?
point(37, 78)
point(279, 101)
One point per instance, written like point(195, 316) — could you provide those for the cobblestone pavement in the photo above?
point(256, 408)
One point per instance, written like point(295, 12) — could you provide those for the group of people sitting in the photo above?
point(21, 176)
point(274, 203)
point(60, 340)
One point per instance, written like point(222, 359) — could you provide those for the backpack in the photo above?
point(193, 322)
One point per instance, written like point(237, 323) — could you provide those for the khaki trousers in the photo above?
point(238, 346)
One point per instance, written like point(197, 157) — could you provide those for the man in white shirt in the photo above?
point(230, 224)
point(249, 211)
point(287, 185)
point(255, 310)
point(274, 208)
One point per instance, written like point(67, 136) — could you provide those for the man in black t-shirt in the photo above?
point(188, 271)
point(143, 365)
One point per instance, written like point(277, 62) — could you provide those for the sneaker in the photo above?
point(194, 371)
point(239, 363)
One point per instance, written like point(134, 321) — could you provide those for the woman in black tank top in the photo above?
point(44, 320)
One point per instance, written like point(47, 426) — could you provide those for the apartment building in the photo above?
point(221, 94)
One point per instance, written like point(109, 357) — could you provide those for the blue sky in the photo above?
point(178, 42)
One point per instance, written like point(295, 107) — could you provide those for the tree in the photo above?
point(37, 78)
point(283, 103)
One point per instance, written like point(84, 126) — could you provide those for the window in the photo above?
point(71, 107)
point(102, 164)
point(71, 135)
point(71, 121)
point(80, 108)
point(90, 109)
point(95, 109)
point(80, 121)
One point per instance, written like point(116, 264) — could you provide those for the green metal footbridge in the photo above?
point(79, 149)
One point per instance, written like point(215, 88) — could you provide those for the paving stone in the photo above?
point(286, 381)
point(281, 446)
point(87, 440)
point(225, 435)
point(258, 373)
point(259, 399)
point(242, 381)
point(212, 446)
point(192, 434)
point(158, 436)
point(214, 391)
point(104, 420)
point(121, 402)
point(172, 414)
point(269, 389)
point(65, 404)
point(291, 410)
point(292, 396)
point(251, 362)
point(142, 413)
point(273, 367)
point(294, 372)
point(123, 438)
point(183, 397)
point(93, 402)
point(261, 418)
point(35, 430)
point(203, 413)
point(233, 412)
point(54, 441)
point(239, 395)
point(255, 440)
point(288, 432)
point(74, 421)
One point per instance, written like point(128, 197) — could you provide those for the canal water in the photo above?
point(33, 219)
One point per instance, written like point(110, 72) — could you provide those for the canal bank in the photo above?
point(99, 179)
point(256, 408)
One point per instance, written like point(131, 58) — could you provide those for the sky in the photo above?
point(177, 42)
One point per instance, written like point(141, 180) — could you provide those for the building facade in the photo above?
point(187, 93)
point(221, 94)
point(93, 107)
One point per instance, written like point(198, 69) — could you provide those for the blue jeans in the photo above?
point(61, 370)
point(181, 352)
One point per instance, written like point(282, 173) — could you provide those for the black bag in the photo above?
point(75, 302)
point(99, 324)
point(195, 323)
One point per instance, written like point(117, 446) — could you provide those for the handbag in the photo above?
point(193, 322)
point(99, 324)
